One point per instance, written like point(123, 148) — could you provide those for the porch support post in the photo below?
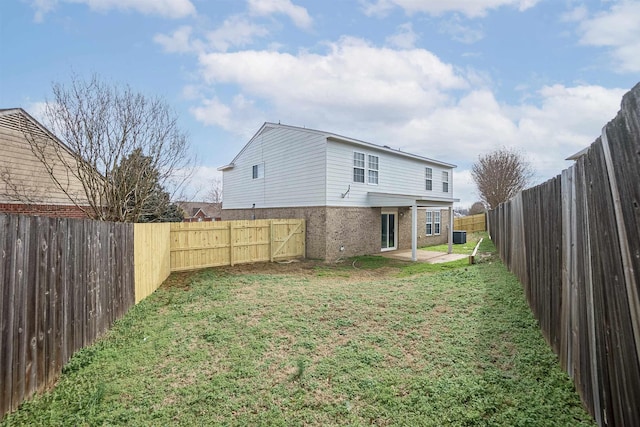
point(414, 232)
point(450, 229)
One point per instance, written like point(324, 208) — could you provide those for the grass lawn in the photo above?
point(371, 341)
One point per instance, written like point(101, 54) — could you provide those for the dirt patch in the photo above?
point(179, 280)
point(343, 271)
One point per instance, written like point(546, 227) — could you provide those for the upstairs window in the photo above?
point(428, 179)
point(445, 182)
point(358, 167)
point(373, 169)
point(257, 171)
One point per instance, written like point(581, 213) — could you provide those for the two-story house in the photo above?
point(357, 197)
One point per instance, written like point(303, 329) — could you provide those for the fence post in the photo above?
point(231, 243)
point(271, 240)
point(627, 263)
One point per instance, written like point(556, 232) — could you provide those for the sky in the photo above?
point(445, 79)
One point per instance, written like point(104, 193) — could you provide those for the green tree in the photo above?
point(136, 182)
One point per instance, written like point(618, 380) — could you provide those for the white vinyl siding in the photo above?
point(396, 174)
point(304, 168)
point(294, 165)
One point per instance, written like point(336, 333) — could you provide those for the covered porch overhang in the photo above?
point(414, 202)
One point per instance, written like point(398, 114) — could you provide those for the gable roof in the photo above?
point(24, 177)
point(338, 138)
point(191, 209)
point(7, 112)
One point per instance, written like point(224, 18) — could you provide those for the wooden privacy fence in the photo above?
point(151, 257)
point(471, 223)
point(63, 283)
point(200, 245)
point(574, 243)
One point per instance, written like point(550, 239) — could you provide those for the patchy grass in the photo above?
point(465, 248)
point(319, 346)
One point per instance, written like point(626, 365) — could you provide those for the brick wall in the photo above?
point(357, 229)
point(404, 228)
point(62, 211)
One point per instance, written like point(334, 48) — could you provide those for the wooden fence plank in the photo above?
point(471, 223)
point(582, 244)
point(152, 257)
point(213, 244)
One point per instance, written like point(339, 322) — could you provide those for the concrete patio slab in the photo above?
point(430, 257)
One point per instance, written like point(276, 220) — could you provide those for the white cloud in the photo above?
point(173, 9)
point(408, 99)
point(352, 75)
point(470, 8)
point(235, 31)
point(236, 117)
point(617, 29)
point(200, 182)
point(297, 14)
point(179, 41)
point(576, 14)
point(460, 32)
point(404, 38)
point(42, 7)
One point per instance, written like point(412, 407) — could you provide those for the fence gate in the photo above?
point(287, 238)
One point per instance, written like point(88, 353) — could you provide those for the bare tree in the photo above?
point(214, 193)
point(477, 208)
point(500, 175)
point(104, 126)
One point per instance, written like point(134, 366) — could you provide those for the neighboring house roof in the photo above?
point(339, 138)
point(23, 177)
point(579, 154)
point(200, 209)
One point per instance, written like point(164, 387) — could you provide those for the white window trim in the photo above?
point(445, 182)
point(432, 222)
point(376, 170)
point(428, 177)
point(260, 171)
point(363, 168)
point(366, 169)
point(395, 228)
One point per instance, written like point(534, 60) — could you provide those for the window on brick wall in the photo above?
point(432, 226)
